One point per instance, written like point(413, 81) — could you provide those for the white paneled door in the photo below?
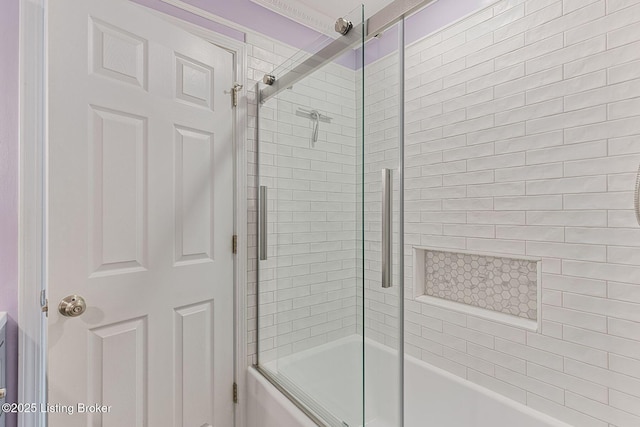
point(140, 220)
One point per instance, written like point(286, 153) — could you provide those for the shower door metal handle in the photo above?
point(387, 191)
point(262, 223)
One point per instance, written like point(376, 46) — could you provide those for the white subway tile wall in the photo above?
point(523, 138)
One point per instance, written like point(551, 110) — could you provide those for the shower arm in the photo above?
point(316, 117)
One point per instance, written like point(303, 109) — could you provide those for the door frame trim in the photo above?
point(32, 345)
point(31, 220)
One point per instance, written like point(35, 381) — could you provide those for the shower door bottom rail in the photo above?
point(322, 418)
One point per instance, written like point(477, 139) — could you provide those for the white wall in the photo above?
point(523, 138)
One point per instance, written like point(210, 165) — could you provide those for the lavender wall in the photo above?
point(255, 18)
point(245, 13)
point(261, 20)
point(438, 15)
point(422, 23)
point(194, 19)
point(9, 188)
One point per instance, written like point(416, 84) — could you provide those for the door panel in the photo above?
point(194, 201)
point(140, 220)
point(117, 369)
point(118, 192)
point(194, 337)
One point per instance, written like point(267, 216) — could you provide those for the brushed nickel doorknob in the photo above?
point(72, 306)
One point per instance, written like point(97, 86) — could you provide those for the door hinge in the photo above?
point(235, 393)
point(237, 87)
point(234, 244)
point(44, 302)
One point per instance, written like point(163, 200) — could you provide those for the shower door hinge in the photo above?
point(235, 393)
point(234, 244)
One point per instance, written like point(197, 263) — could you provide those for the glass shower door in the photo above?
point(383, 227)
point(310, 288)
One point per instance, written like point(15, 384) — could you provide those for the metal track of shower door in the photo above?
point(320, 416)
point(375, 25)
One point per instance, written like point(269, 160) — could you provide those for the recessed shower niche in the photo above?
point(495, 286)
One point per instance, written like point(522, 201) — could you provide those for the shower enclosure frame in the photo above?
point(375, 25)
point(392, 14)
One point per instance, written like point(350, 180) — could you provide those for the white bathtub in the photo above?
point(433, 397)
point(267, 407)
